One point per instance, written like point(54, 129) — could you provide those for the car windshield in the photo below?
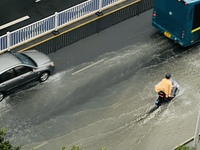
point(25, 59)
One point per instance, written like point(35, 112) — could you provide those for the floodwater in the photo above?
point(105, 105)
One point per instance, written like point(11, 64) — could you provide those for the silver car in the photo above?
point(20, 68)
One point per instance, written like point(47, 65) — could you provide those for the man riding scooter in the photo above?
point(164, 88)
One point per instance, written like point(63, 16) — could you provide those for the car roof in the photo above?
point(8, 60)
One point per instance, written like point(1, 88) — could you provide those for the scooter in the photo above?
point(161, 96)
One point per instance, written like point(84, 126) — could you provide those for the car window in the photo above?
point(20, 70)
point(25, 59)
point(7, 75)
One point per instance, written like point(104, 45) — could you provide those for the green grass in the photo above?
point(183, 147)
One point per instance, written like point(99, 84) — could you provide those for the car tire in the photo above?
point(44, 76)
point(1, 96)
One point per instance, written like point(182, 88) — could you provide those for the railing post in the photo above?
point(99, 13)
point(55, 32)
point(8, 41)
point(56, 21)
point(100, 5)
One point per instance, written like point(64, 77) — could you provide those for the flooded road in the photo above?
point(103, 103)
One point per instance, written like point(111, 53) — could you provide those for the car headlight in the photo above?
point(52, 64)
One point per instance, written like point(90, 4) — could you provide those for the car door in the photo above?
point(25, 74)
point(8, 81)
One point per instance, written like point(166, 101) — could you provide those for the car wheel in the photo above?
point(1, 96)
point(44, 76)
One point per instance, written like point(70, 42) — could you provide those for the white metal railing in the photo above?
point(52, 23)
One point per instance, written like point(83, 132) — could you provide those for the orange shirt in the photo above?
point(165, 85)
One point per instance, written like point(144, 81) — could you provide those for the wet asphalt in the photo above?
point(71, 58)
point(71, 105)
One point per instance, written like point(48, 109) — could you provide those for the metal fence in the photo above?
point(119, 14)
point(52, 23)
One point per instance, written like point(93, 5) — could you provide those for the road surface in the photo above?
point(101, 90)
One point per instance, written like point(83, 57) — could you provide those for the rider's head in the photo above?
point(168, 76)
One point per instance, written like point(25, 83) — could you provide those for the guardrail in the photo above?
point(52, 23)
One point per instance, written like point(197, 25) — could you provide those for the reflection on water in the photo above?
point(103, 105)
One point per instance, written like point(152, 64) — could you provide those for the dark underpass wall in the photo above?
point(103, 22)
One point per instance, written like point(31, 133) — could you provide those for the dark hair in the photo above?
point(168, 76)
